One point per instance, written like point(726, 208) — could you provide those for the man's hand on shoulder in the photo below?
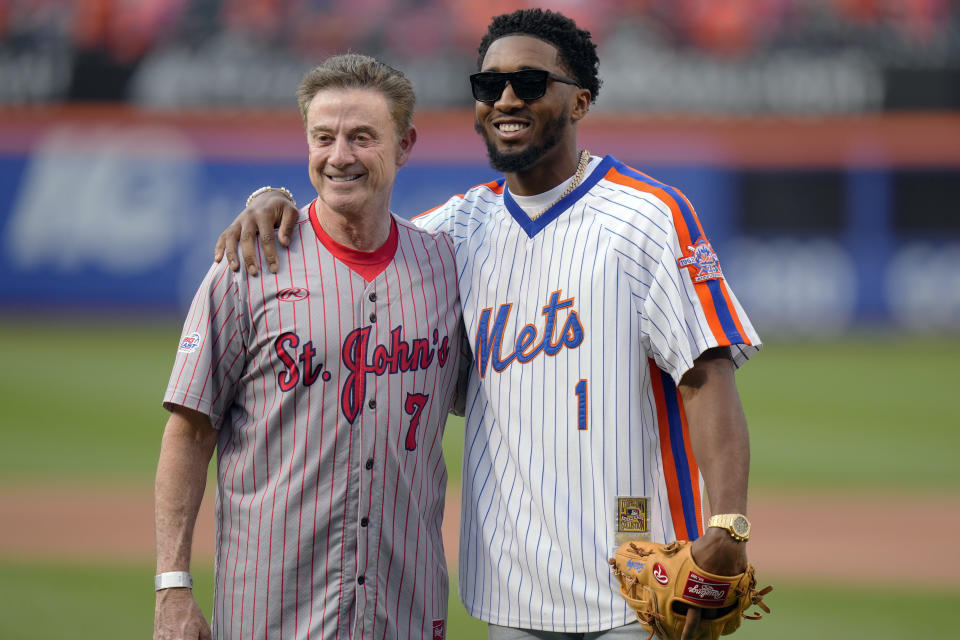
point(266, 211)
point(178, 617)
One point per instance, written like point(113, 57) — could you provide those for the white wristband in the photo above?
point(171, 579)
point(285, 192)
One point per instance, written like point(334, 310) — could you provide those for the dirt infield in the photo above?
point(85, 524)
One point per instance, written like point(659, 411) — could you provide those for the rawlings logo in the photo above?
point(526, 347)
point(702, 258)
point(293, 294)
point(660, 574)
point(705, 592)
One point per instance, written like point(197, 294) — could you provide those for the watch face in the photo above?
point(741, 526)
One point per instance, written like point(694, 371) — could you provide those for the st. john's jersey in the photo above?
point(330, 394)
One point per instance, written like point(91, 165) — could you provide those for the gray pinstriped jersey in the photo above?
point(581, 324)
point(330, 395)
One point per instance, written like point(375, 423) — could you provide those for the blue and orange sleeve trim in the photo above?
point(680, 471)
point(714, 295)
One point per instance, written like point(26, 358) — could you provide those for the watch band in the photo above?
point(736, 525)
point(173, 579)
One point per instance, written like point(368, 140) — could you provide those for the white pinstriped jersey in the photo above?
point(330, 395)
point(581, 324)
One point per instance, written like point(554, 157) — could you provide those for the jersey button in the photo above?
point(369, 464)
point(361, 579)
point(372, 296)
point(364, 522)
point(373, 317)
point(372, 404)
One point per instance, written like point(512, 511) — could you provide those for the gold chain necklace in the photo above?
point(577, 178)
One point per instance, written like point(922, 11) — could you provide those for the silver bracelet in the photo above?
point(172, 579)
point(282, 190)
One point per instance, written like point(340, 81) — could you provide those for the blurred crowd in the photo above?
point(715, 55)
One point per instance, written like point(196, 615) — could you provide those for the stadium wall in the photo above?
point(821, 224)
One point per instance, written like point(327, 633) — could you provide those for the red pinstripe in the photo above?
point(206, 321)
point(242, 449)
point(235, 457)
point(376, 597)
point(433, 493)
point(396, 483)
point(316, 493)
point(216, 339)
point(306, 436)
point(336, 444)
point(290, 459)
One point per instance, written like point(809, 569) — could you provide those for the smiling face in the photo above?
point(524, 136)
point(355, 150)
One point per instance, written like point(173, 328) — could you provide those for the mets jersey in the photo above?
point(330, 394)
point(581, 323)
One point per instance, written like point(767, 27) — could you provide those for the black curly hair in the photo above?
point(578, 53)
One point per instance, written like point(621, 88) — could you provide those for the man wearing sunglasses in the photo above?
point(602, 395)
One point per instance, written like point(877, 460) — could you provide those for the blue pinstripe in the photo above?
point(612, 249)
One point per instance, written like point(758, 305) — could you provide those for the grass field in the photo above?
point(82, 406)
point(867, 412)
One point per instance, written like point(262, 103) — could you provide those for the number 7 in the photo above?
point(414, 407)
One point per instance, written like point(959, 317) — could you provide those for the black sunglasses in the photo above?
point(527, 84)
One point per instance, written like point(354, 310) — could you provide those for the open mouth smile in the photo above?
point(510, 131)
point(511, 127)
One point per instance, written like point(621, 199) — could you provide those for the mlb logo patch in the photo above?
point(189, 344)
point(702, 258)
point(439, 630)
point(631, 515)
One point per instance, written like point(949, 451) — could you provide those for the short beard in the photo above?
point(526, 159)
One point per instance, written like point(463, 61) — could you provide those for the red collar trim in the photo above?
point(368, 264)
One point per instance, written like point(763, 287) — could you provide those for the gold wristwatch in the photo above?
point(735, 523)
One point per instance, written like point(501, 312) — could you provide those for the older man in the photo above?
point(325, 390)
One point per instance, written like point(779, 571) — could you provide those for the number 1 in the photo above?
point(581, 392)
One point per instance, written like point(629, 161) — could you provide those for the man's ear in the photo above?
point(405, 146)
point(581, 104)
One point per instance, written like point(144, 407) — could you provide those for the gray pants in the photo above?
point(632, 631)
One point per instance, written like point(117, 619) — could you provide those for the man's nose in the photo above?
point(341, 153)
point(508, 100)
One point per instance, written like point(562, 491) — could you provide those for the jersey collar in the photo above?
point(533, 227)
point(368, 264)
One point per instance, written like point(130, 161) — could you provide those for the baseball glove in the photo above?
point(676, 599)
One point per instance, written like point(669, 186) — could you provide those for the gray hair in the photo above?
point(355, 71)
